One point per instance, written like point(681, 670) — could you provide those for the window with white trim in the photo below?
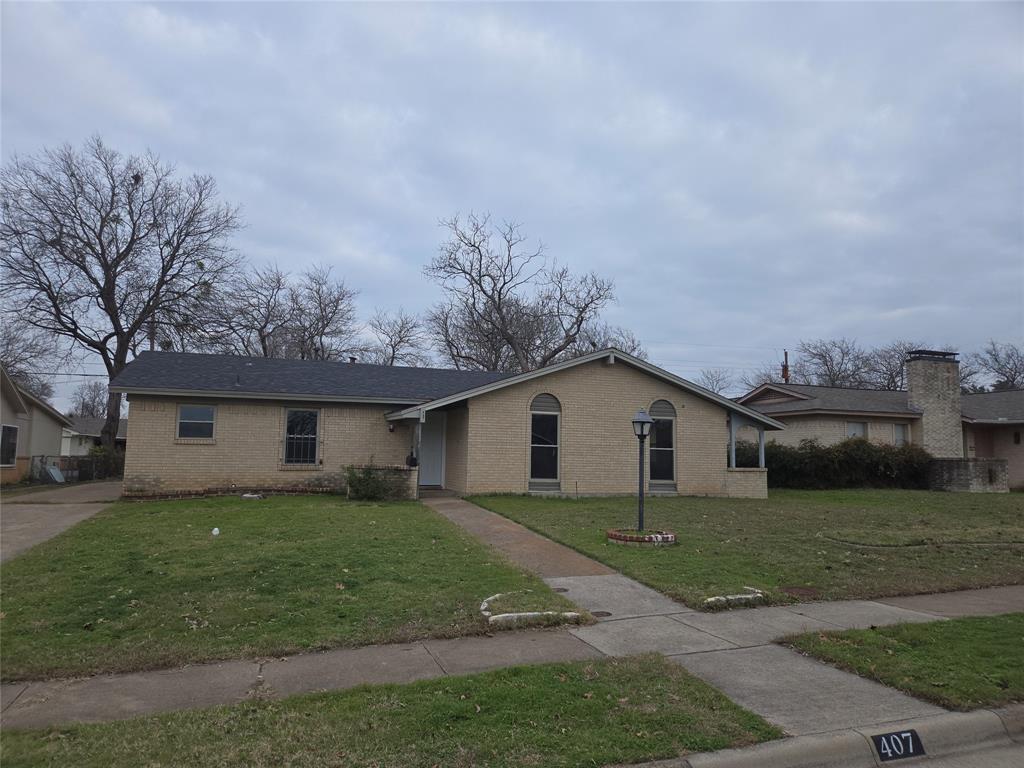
point(545, 412)
point(300, 436)
point(900, 434)
point(196, 421)
point(856, 429)
point(9, 446)
point(663, 453)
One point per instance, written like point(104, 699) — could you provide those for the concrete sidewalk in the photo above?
point(734, 650)
point(117, 697)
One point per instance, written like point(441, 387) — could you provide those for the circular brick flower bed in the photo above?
point(637, 539)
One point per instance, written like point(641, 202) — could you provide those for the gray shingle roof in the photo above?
point(994, 406)
point(837, 399)
point(92, 426)
point(180, 371)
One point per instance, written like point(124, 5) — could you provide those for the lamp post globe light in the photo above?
point(642, 424)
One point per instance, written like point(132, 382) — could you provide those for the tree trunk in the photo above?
point(108, 436)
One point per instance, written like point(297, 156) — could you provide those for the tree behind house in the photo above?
point(95, 246)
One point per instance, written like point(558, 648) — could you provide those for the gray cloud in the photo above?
point(748, 174)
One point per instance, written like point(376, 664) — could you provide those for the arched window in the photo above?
point(545, 412)
point(663, 441)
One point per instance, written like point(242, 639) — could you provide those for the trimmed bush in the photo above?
point(853, 463)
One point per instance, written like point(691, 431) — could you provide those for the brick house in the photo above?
point(931, 412)
point(200, 423)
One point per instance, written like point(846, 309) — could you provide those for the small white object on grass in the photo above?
point(215, 531)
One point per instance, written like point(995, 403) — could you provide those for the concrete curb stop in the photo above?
point(943, 735)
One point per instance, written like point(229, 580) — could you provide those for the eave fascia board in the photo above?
point(840, 412)
point(781, 388)
point(307, 398)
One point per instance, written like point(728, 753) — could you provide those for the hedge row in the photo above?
point(853, 463)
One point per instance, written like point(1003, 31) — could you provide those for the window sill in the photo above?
point(195, 441)
point(300, 467)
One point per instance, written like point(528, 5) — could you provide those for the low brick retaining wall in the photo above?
point(969, 475)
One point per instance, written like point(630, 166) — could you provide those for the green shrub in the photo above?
point(375, 483)
point(106, 462)
point(853, 463)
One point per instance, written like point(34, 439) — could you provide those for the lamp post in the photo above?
point(642, 424)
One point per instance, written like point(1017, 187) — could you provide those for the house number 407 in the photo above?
point(898, 745)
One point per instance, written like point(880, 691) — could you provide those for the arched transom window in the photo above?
point(663, 441)
point(545, 413)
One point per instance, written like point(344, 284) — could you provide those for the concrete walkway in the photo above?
point(32, 517)
point(734, 650)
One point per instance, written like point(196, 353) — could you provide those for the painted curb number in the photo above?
point(898, 745)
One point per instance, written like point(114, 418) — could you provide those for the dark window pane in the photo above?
point(195, 429)
point(661, 433)
point(9, 445)
point(196, 413)
point(302, 422)
point(545, 430)
point(661, 464)
point(544, 463)
point(300, 438)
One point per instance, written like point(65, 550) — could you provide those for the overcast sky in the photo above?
point(749, 175)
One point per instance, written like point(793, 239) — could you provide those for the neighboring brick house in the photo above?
point(209, 422)
point(931, 412)
point(30, 427)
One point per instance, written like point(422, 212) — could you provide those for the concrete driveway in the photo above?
point(27, 519)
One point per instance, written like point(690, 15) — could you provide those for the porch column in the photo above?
point(760, 447)
point(732, 442)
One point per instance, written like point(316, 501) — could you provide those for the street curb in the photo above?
point(943, 735)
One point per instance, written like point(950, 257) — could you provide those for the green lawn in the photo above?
point(959, 664)
point(583, 713)
point(826, 544)
point(146, 585)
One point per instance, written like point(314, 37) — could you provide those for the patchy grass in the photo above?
point(958, 664)
point(146, 585)
point(583, 713)
point(798, 544)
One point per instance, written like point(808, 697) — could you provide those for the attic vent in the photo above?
point(545, 404)
point(662, 409)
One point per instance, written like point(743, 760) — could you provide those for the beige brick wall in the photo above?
point(933, 386)
point(827, 430)
point(746, 483)
point(995, 442)
point(456, 447)
point(598, 452)
point(247, 447)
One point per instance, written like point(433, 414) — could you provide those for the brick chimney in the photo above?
point(933, 387)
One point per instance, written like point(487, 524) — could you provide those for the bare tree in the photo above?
point(323, 318)
point(1004, 362)
point(832, 363)
point(250, 315)
point(94, 246)
point(28, 354)
point(89, 399)
point(400, 339)
point(886, 366)
point(508, 308)
point(600, 335)
point(718, 380)
point(764, 374)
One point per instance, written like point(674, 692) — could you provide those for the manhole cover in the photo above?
point(804, 593)
point(559, 589)
point(600, 614)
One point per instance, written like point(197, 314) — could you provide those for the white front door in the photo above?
point(432, 449)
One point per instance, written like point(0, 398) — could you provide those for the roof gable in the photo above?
point(1006, 406)
point(611, 354)
point(818, 399)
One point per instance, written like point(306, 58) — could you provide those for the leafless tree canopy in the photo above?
point(27, 353)
point(831, 363)
point(1003, 362)
point(600, 335)
point(89, 399)
point(508, 307)
point(95, 245)
point(718, 380)
point(399, 339)
point(764, 374)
